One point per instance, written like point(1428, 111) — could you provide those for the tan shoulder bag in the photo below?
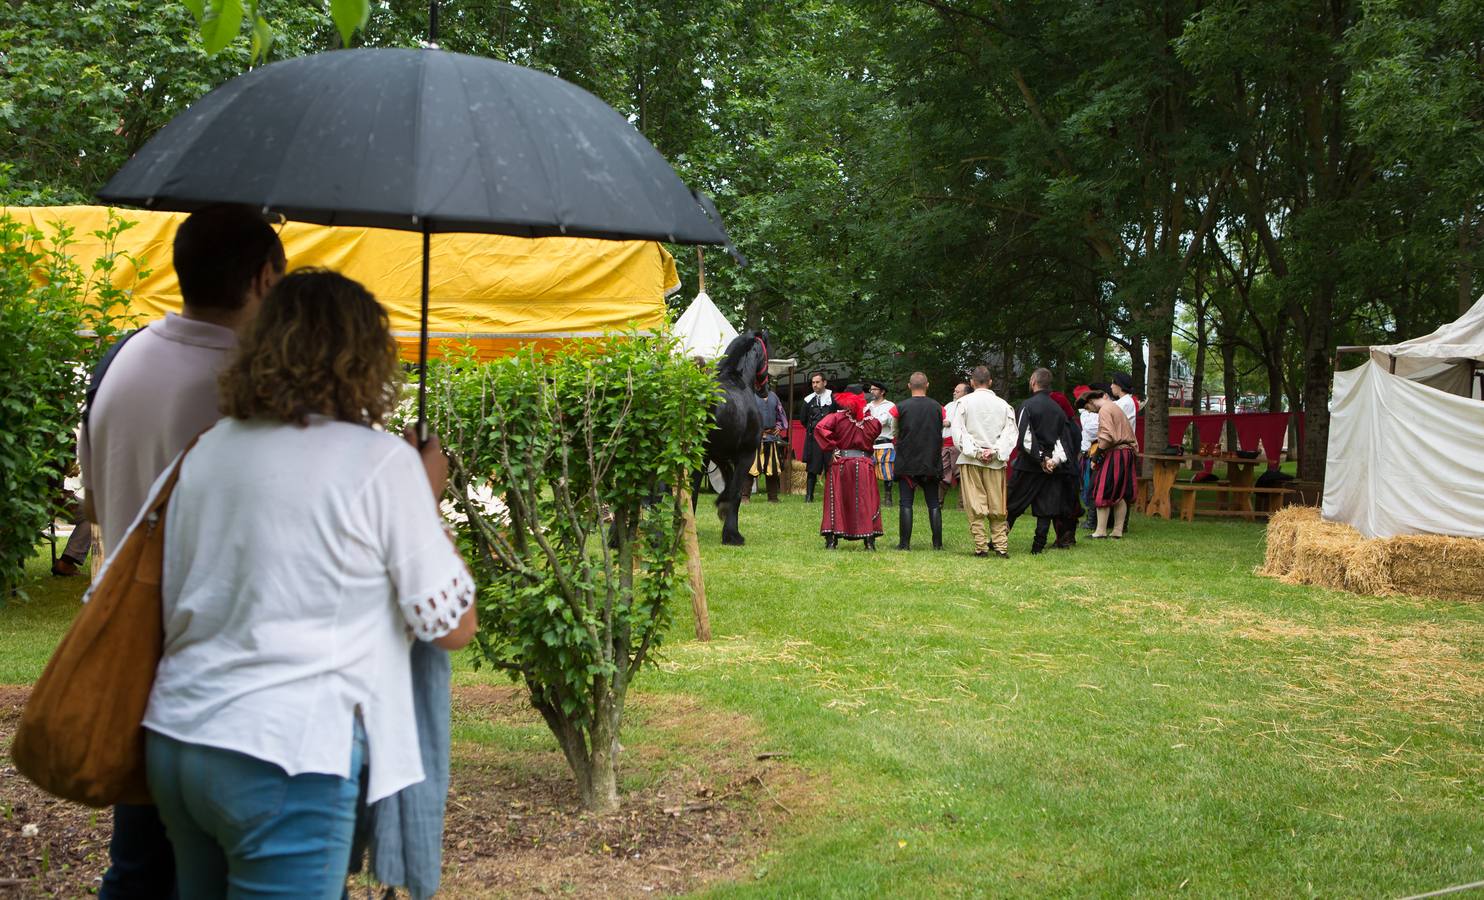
point(80, 736)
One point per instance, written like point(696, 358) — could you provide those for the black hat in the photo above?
point(1088, 396)
point(855, 389)
point(876, 384)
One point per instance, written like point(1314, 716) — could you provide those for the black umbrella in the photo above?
point(418, 140)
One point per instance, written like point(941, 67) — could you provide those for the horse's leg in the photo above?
point(730, 534)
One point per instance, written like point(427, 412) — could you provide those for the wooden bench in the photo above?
point(1272, 499)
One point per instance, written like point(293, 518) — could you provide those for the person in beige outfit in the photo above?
point(984, 433)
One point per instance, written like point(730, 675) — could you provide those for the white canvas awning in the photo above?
point(703, 330)
point(1404, 436)
point(1445, 359)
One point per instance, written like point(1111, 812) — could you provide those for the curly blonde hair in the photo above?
point(321, 344)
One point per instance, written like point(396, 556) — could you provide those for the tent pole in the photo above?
point(422, 352)
point(700, 271)
point(791, 412)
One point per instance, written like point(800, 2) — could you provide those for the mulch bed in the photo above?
point(513, 825)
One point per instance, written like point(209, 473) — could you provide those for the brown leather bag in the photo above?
point(80, 736)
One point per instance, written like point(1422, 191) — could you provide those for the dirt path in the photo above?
point(705, 810)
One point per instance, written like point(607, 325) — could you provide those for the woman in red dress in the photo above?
point(852, 507)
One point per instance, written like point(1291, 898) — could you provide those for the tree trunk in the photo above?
point(1469, 229)
point(601, 792)
point(1317, 375)
point(1198, 370)
point(1100, 359)
point(1229, 384)
point(1157, 399)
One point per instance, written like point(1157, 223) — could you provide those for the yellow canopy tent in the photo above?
point(497, 292)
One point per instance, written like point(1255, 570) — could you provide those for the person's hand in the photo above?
point(434, 462)
point(986, 455)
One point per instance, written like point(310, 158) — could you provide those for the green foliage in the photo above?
point(565, 469)
point(46, 302)
point(86, 84)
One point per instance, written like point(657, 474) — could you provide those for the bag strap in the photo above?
point(95, 378)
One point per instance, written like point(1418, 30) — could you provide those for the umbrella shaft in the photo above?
point(422, 352)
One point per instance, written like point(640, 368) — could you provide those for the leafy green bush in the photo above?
point(565, 468)
point(55, 319)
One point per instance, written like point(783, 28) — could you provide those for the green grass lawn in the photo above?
point(1127, 718)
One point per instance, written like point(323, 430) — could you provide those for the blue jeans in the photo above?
point(242, 827)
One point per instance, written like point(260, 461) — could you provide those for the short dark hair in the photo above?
point(980, 375)
point(814, 375)
point(918, 381)
point(218, 252)
point(1041, 378)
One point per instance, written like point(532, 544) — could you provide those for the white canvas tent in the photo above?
point(1406, 436)
point(703, 330)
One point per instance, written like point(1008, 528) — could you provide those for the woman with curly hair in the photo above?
point(303, 554)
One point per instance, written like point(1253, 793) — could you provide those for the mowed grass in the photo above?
point(1140, 717)
point(1143, 717)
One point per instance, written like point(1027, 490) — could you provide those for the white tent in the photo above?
point(703, 330)
point(1406, 436)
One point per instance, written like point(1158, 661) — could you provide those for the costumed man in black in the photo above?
point(1042, 469)
point(919, 461)
point(818, 405)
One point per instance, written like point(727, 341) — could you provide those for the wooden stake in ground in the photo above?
point(693, 567)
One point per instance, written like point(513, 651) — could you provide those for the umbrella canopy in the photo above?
point(422, 140)
point(419, 140)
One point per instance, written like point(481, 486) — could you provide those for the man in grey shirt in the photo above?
point(160, 391)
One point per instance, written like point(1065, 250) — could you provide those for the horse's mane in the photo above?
point(732, 367)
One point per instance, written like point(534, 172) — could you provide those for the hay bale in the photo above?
point(1435, 566)
point(1283, 529)
point(1321, 553)
point(1368, 568)
point(798, 476)
point(1302, 548)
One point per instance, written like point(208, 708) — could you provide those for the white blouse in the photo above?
point(299, 564)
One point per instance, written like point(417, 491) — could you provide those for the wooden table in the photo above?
point(1240, 472)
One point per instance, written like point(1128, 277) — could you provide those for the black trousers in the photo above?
point(142, 864)
point(930, 493)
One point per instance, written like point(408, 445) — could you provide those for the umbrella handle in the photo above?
point(422, 352)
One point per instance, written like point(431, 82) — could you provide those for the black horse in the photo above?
point(733, 443)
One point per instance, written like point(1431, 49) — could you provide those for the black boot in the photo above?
point(831, 542)
point(904, 528)
point(935, 521)
point(870, 542)
point(809, 487)
point(1043, 525)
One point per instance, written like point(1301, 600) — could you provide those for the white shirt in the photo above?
point(298, 563)
point(885, 412)
point(1129, 405)
point(159, 392)
point(982, 421)
point(1089, 421)
point(948, 422)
